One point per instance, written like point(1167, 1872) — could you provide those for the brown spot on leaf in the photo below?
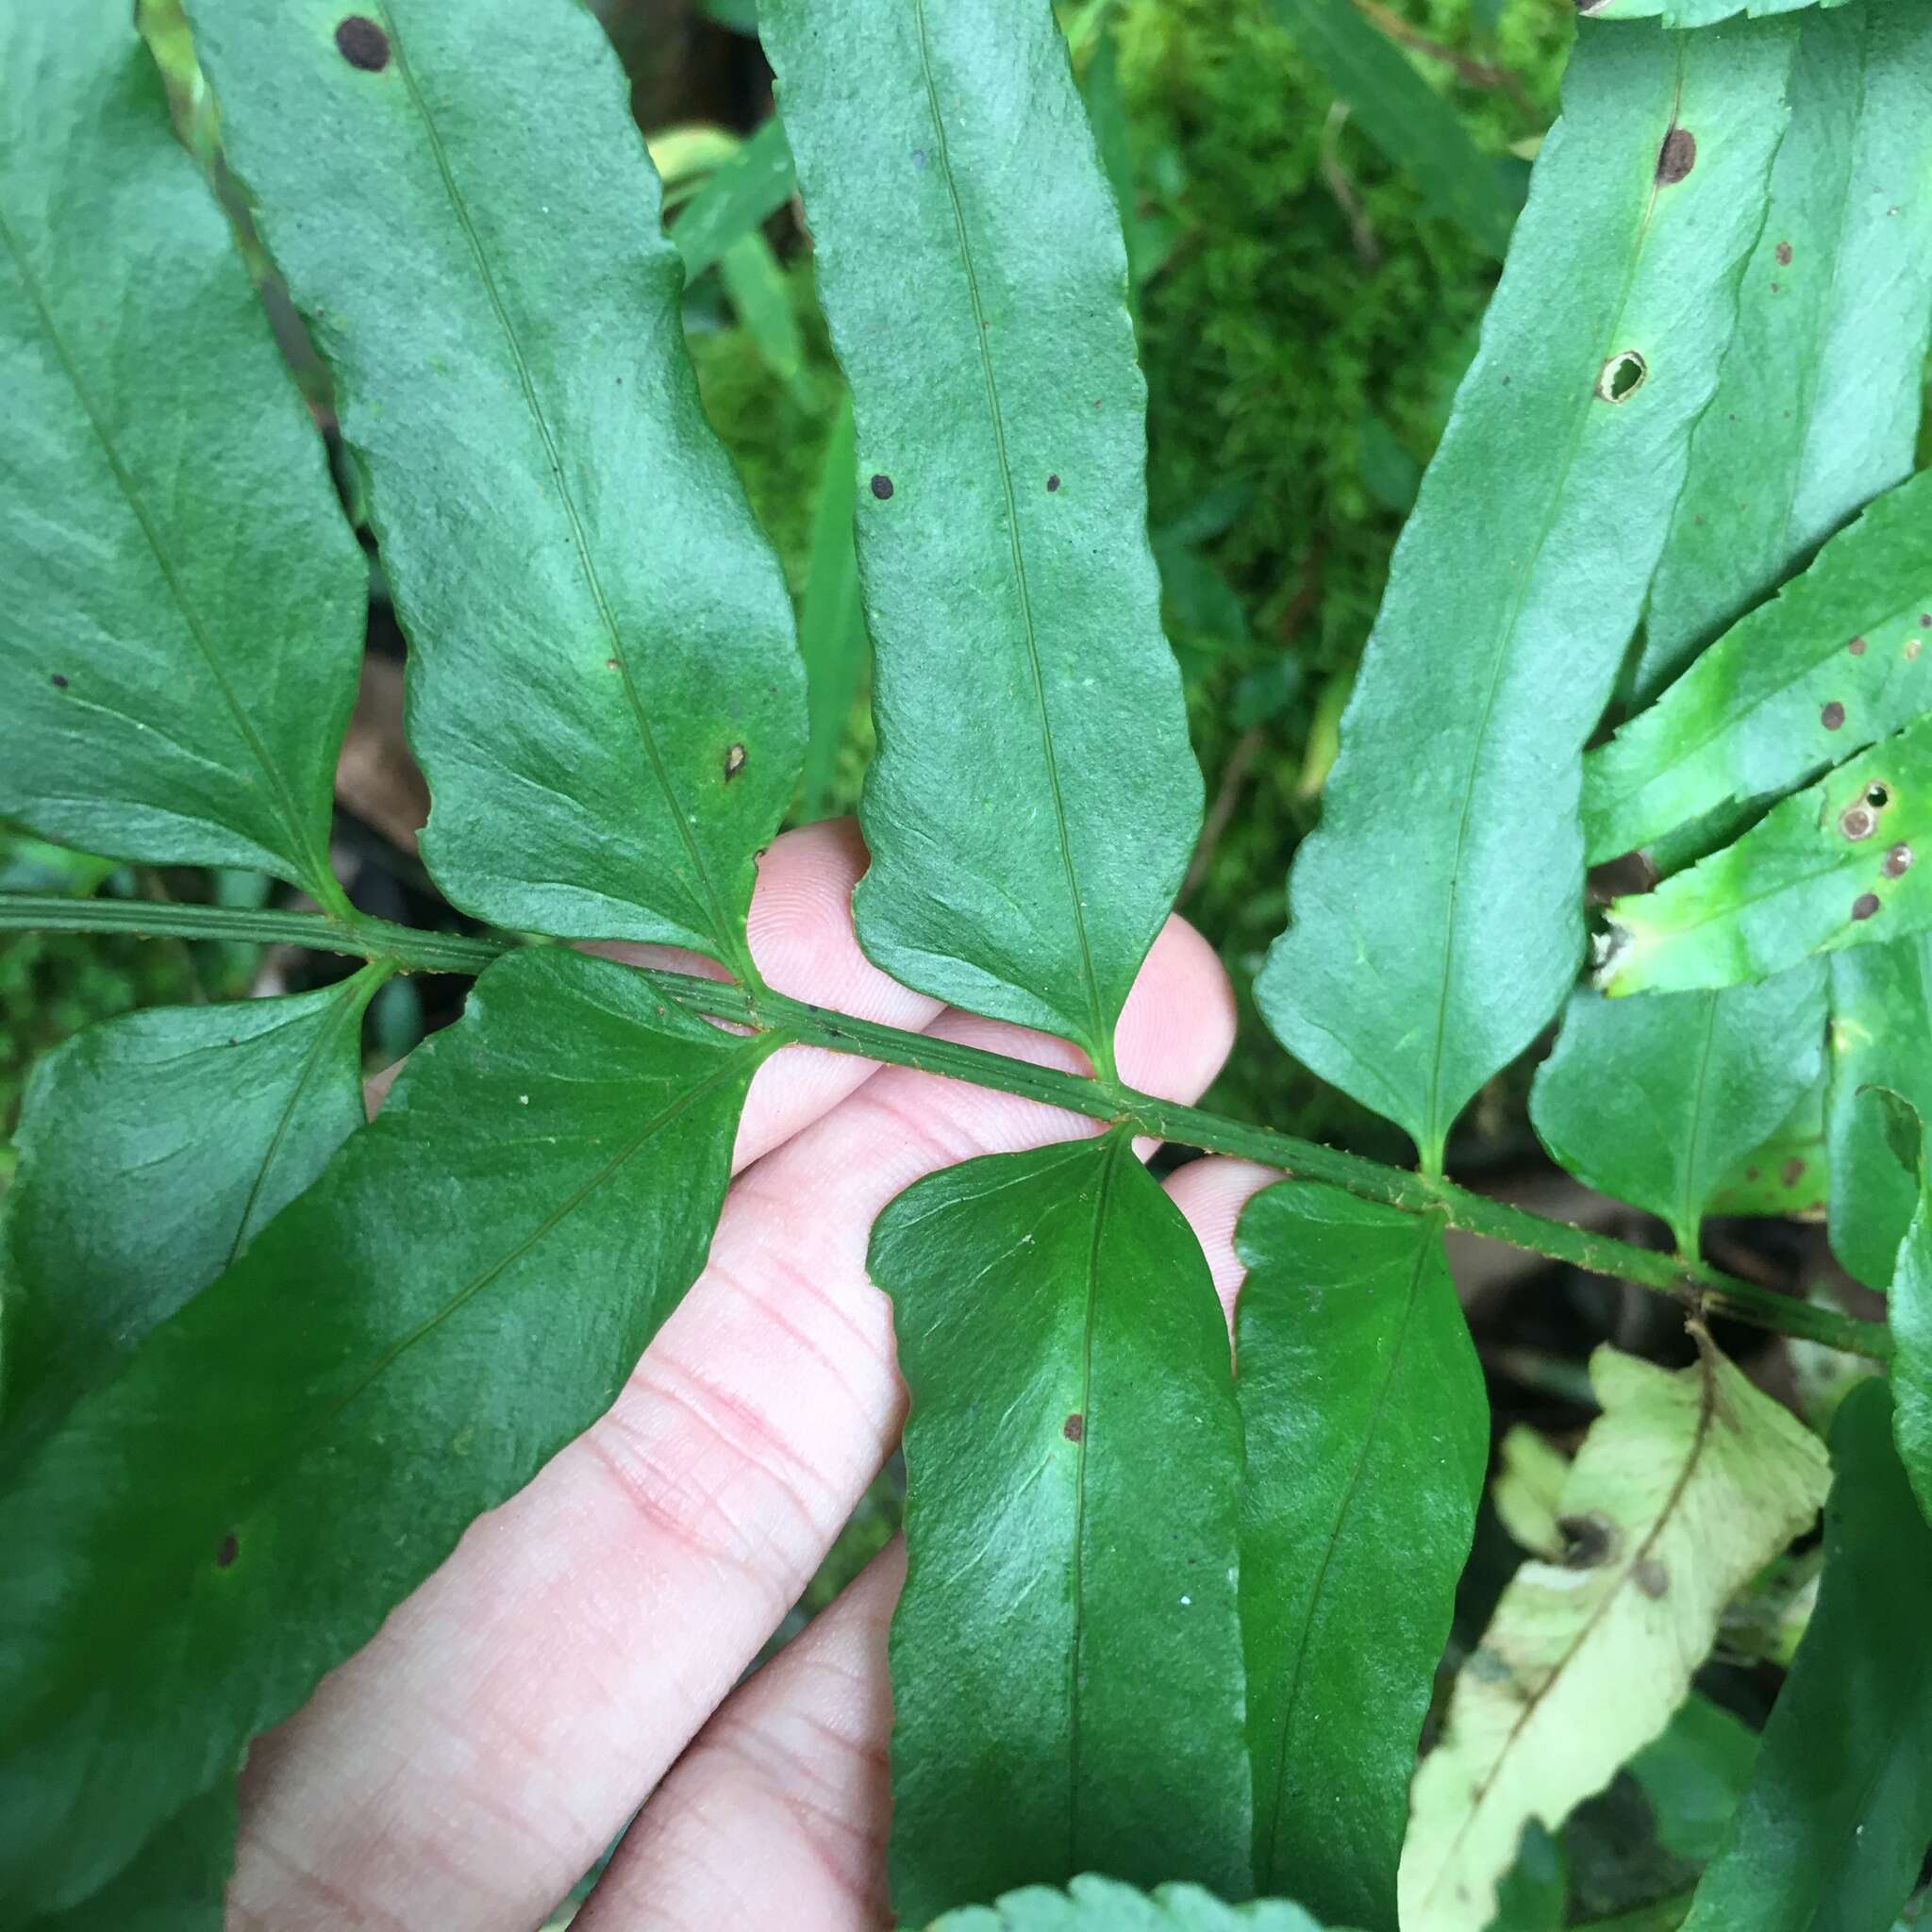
point(1898, 861)
point(1074, 1428)
point(882, 487)
point(1676, 158)
point(226, 1551)
point(1912, 648)
point(734, 762)
point(610, 664)
point(1865, 905)
point(59, 682)
point(1856, 821)
point(1783, 252)
point(1856, 648)
point(1053, 482)
point(1653, 1580)
point(362, 43)
point(1588, 1540)
point(1792, 1172)
point(1832, 716)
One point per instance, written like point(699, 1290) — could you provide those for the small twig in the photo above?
point(1234, 775)
point(1361, 230)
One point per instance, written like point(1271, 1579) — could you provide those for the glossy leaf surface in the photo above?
point(1069, 1626)
point(1832, 1829)
point(1093, 1904)
point(831, 628)
point(1834, 664)
point(1416, 128)
point(1881, 1036)
point(176, 1882)
point(462, 1293)
point(1367, 1431)
point(1692, 12)
point(185, 599)
point(1435, 915)
point(1034, 801)
point(154, 1147)
point(605, 693)
point(1818, 407)
point(1657, 1100)
point(1836, 865)
point(1686, 1486)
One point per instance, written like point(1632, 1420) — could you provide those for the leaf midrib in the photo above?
point(1101, 1042)
point(1706, 1410)
point(311, 864)
point(1436, 1131)
point(731, 946)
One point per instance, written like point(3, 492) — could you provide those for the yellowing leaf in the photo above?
point(1687, 1484)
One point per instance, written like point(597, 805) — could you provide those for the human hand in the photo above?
point(577, 1654)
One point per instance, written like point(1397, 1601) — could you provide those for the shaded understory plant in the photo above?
point(264, 1362)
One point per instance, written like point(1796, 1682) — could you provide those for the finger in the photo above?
point(776, 1815)
point(480, 1752)
point(1212, 1193)
point(799, 931)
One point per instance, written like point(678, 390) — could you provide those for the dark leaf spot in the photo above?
point(59, 682)
point(1074, 1428)
point(1925, 620)
point(1877, 798)
point(1621, 376)
point(1856, 648)
point(882, 487)
point(1783, 252)
point(227, 1551)
point(1897, 861)
point(1856, 821)
point(1676, 158)
point(362, 43)
point(1053, 482)
point(734, 762)
point(1865, 905)
point(610, 664)
point(1832, 716)
point(1793, 1172)
point(1588, 1540)
point(1653, 1580)
point(1751, 1174)
point(919, 157)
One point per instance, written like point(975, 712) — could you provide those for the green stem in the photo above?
point(1703, 1288)
point(405, 948)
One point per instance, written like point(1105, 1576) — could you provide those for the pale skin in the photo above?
point(576, 1654)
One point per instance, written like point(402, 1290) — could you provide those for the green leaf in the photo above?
point(462, 1293)
point(1685, 1486)
point(1818, 405)
point(754, 281)
point(1034, 802)
point(745, 191)
point(1367, 1431)
point(1830, 666)
point(1831, 1832)
point(1655, 1101)
point(1909, 1310)
point(571, 552)
point(1829, 867)
point(1437, 918)
point(1694, 1774)
point(175, 1884)
point(1881, 1033)
point(1692, 12)
point(1069, 1627)
point(1417, 130)
point(153, 1147)
point(831, 630)
point(1093, 1904)
point(1532, 1894)
point(186, 601)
